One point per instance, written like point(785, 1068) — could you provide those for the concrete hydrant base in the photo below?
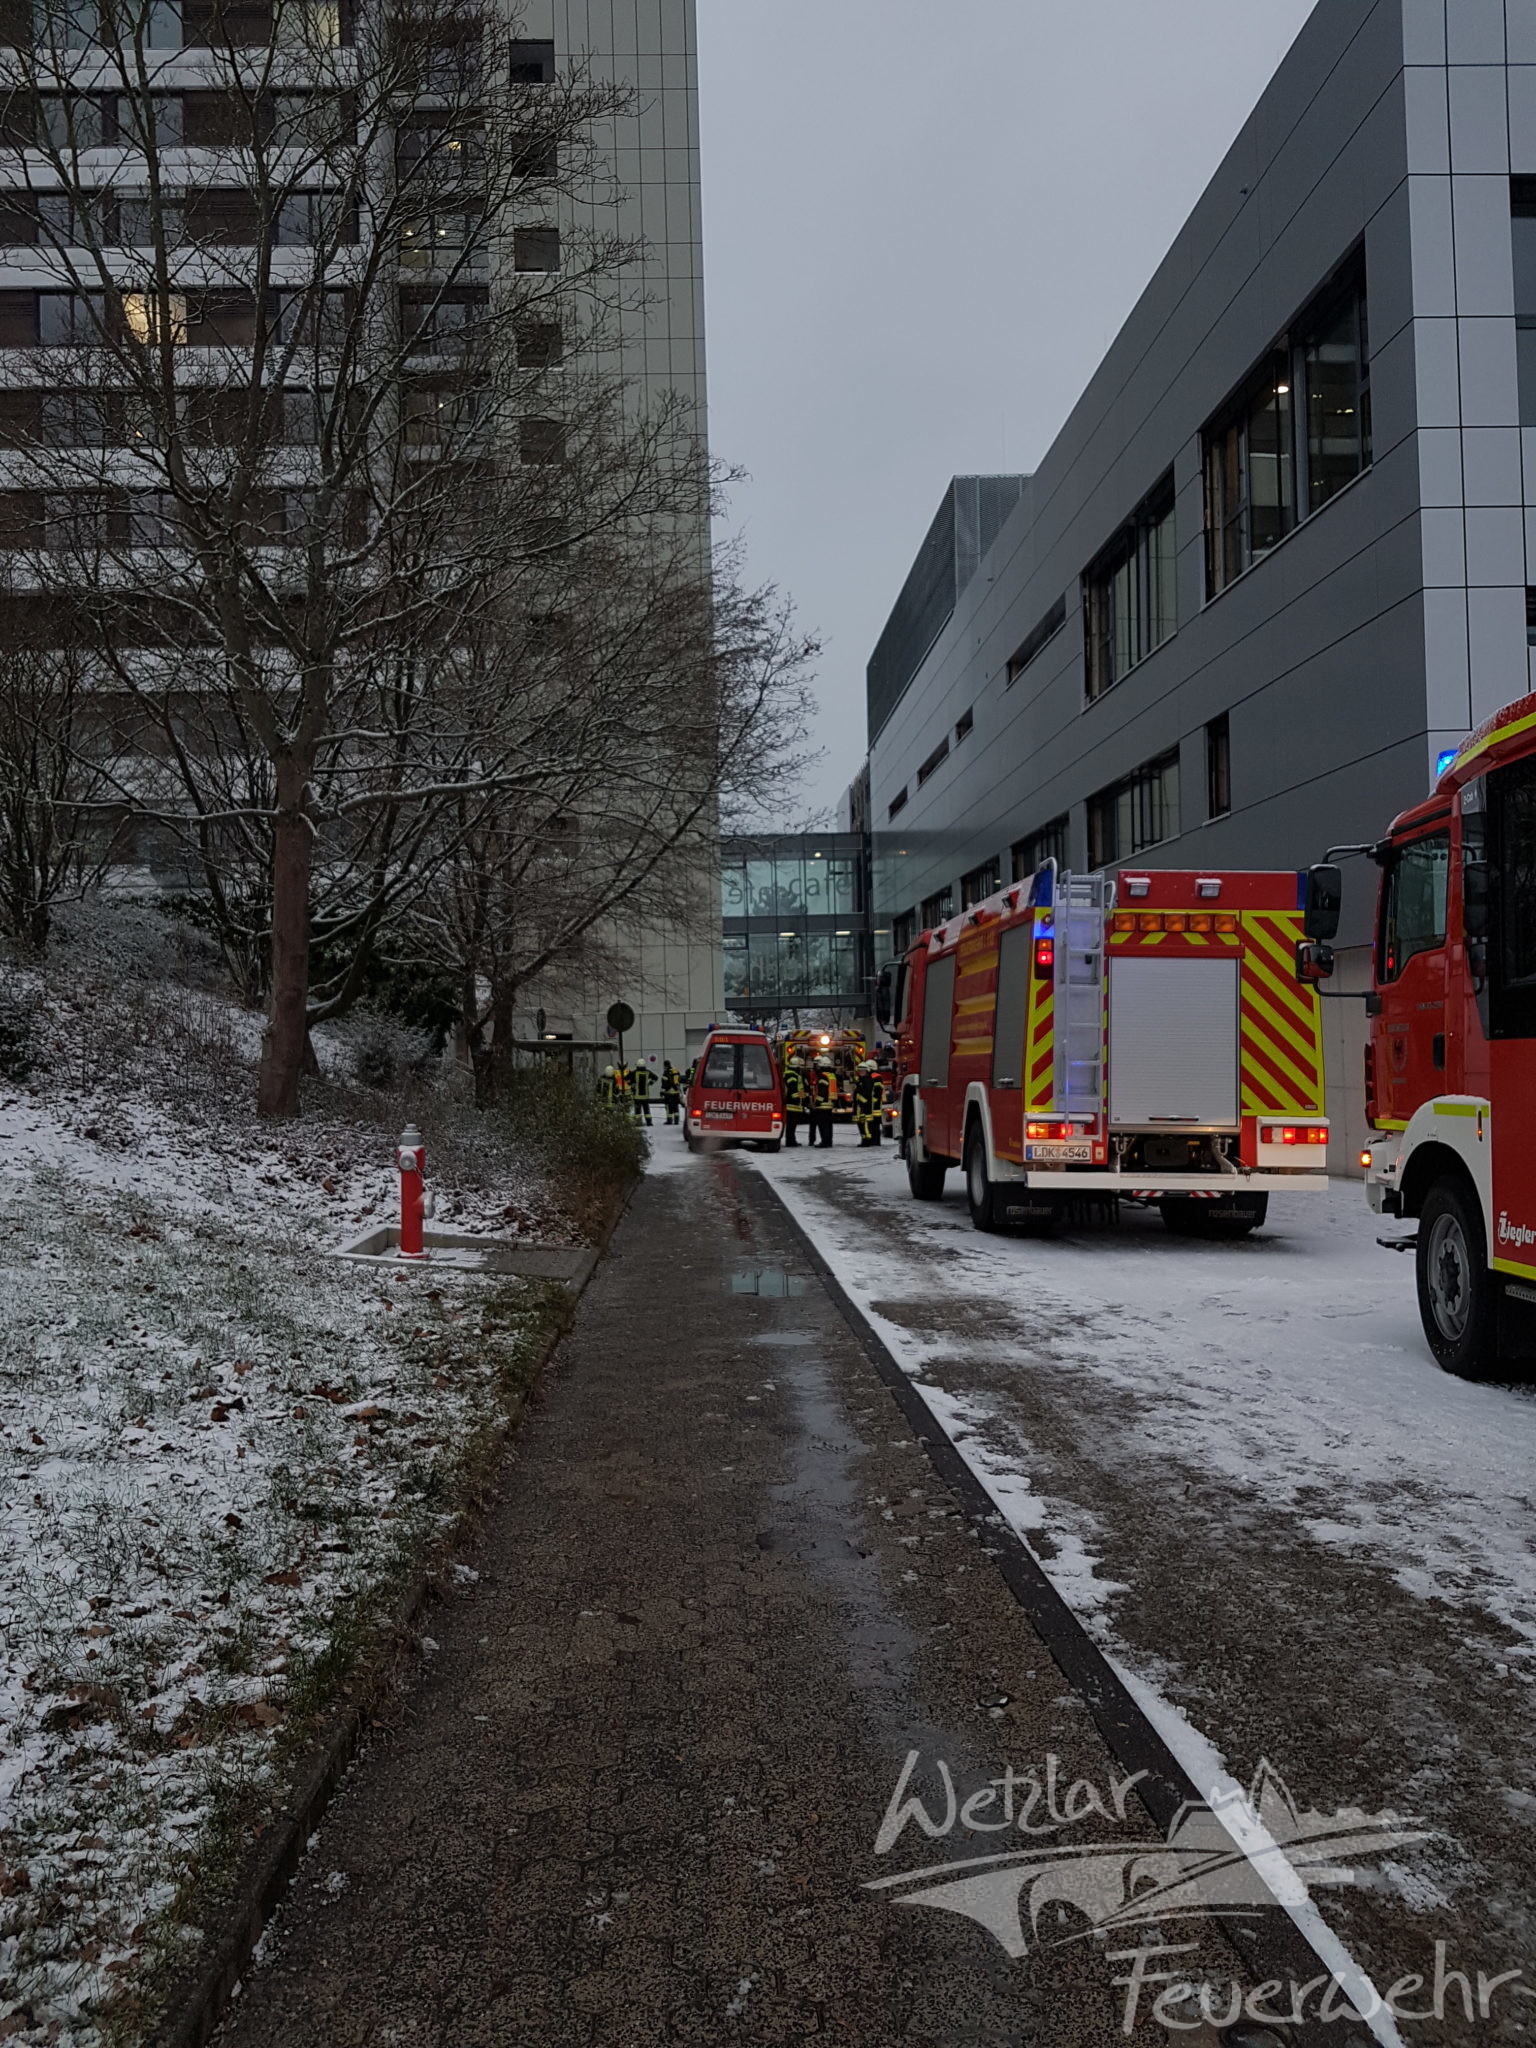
point(460, 1251)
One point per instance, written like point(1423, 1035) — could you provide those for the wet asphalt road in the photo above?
point(1277, 1647)
point(634, 1795)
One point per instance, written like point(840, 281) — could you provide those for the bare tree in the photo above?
point(56, 770)
point(319, 435)
point(675, 694)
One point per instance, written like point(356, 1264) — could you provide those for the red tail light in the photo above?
point(1045, 959)
point(1049, 1131)
point(1294, 1134)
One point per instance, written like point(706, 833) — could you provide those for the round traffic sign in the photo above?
point(621, 1018)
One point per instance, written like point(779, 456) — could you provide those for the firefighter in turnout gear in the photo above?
point(609, 1087)
point(796, 1101)
point(825, 1102)
point(640, 1082)
point(868, 1102)
point(672, 1092)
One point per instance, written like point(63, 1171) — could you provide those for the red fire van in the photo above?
point(737, 1097)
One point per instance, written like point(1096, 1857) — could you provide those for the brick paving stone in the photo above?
point(633, 1798)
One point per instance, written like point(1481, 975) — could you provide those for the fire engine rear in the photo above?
point(1144, 1038)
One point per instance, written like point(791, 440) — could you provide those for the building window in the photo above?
point(540, 344)
point(536, 249)
point(898, 802)
point(934, 761)
point(1031, 854)
point(963, 725)
point(1035, 640)
point(1132, 815)
point(533, 63)
point(1218, 767)
point(903, 932)
point(1129, 601)
point(1523, 228)
point(980, 883)
point(938, 908)
point(1530, 617)
point(1298, 434)
point(1334, 365)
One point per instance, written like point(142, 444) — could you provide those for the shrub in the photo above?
point(19, 1050)
point(379, 1050)
point(590, 1150)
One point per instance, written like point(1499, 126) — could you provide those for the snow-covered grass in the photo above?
point(221, 1452)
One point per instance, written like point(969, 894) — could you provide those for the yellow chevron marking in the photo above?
point(1287, 995)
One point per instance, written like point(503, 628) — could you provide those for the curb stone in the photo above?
point(193, 2013)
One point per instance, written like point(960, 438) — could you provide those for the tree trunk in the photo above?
point(502, 1051)
point(287, 1034)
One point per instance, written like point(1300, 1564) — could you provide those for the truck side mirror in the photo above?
point(1323, 904)
point(1475, 899)
point(1314, 962)
point(884, 989)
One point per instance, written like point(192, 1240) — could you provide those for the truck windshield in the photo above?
point(720, 1067)
point(1413, 913)
point(756, 1071)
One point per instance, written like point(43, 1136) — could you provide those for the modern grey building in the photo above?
point(795, 927)
point(1279, 558)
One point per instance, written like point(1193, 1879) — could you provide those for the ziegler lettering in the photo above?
point(1514, 1233)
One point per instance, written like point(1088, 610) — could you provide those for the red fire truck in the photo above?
point(1451, 1060)
point(1086, 1038)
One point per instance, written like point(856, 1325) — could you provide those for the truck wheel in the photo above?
point(925, 1177)
point(980, 1194)
point(1456, 1303)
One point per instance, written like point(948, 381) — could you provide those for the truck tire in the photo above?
point(925, 1177)
point(980, 1195)
point(1227, 1216)
point(1456, 1300)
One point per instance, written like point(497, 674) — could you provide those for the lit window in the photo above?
point(1298, 434)
point(141, 315)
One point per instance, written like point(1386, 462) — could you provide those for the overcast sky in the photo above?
point(924, 224)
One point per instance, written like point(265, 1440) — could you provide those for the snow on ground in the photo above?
point(1290, 1365)
point(219, 1449)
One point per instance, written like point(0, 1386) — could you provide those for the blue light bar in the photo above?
point(1445, 761)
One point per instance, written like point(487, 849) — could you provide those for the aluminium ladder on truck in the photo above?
point(1083, 904)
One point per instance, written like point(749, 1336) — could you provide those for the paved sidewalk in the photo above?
point(634, 1797)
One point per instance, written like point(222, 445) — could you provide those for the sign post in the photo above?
point(621, 1018)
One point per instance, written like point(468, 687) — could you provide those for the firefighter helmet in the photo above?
point(607, 1073)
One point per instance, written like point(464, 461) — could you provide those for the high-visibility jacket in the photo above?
point(671, 1082)
point(826, 1088)
point(609, 1088)
point(868, 1094)
point(621, 1080)
point(641, 1083)
point(794, 1091)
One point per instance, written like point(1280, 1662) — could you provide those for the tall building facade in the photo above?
point(670, 974)
point(1282, 555)
point(256, 261)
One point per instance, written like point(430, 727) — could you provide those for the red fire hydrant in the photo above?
point(411, 1158)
